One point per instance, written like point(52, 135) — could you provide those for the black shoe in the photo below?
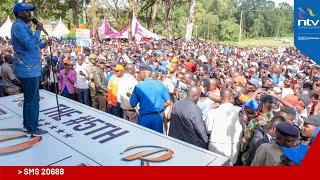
point(37, 132)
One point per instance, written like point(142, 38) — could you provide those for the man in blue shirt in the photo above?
point(27, 66)
point(152, 97)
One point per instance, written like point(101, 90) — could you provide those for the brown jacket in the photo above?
point(268, 155)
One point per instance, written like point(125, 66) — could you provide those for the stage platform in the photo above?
point(86, 136)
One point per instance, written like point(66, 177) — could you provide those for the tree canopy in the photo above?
point(213, 19)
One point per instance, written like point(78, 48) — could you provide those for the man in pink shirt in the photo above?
point(67, 79)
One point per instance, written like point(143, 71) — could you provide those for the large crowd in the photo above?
point(257, 106)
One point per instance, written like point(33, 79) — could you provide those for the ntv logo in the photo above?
point(307, 22)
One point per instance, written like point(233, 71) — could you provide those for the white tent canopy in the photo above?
point(60, 30)
point(5, 29)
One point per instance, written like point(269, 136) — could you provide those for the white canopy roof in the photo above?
point(60, 30)
point(5, 29)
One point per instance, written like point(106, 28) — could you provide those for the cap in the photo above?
point(253, 104)
point(102, 61)
point(305, 98)
point(293, 100)
point(119, 67)
point(92, 56)
point(145, 68)
point(55, 58)
point(314, 120)
point(175, 59)
point(68, 62)
point(22, 7)
point(288, 129)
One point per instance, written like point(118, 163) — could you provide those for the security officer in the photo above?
point(91, 71)
point(100, 84)
point(152, 97)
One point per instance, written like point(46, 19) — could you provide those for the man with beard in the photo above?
point(27, 68)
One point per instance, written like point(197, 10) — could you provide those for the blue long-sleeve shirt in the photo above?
point(27, 50)
point(150, 95)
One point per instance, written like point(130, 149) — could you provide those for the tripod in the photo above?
point(54, 81)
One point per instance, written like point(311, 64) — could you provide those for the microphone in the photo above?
point(36, 22)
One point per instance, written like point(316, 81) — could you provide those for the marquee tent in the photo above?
point(5, 29)
point(61, 30)
point(138, 32)
point(106, 31)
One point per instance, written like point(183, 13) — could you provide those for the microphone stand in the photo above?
point(54, 81)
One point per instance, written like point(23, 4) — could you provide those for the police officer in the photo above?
point(152, 97)
point(91, 72)
point(27, 65)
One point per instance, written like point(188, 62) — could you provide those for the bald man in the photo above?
point(186, 120)
point(224, 127)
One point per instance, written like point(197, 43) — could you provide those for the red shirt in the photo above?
point(190, 66)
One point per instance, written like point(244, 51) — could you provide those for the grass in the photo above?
point(263, 42)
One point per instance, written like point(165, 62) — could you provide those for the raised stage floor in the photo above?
point(86, 136)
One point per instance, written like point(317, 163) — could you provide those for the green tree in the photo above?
point(229, 30)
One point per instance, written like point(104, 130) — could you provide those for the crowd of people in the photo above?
point(257, 106)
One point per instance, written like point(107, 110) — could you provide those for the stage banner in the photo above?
point(307, 28)
point(83, 37)
point(85, 136)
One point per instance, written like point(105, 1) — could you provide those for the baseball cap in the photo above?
point(22, 7)
point(253, 104)
point(293, 100)
point(55, 58)
point(119, 67)
point(68, 62)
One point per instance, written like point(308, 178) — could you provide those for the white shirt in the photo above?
point(50, 78)
point(168, 83)
point(81, 81)
point(126, 85)
point(224, 125)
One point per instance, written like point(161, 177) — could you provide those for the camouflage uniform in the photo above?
point(91, 71)
point(100, 87)
point(253, 125)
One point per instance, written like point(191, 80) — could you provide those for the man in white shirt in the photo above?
point(125, 87)
point(82, 83)
point(224, 125)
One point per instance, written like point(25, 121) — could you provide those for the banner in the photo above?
point(87, 136)
point(83, 37)
point(307, 28)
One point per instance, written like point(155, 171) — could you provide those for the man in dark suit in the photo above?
point(186, 122)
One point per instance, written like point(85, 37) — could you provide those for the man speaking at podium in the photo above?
point(27, 65)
